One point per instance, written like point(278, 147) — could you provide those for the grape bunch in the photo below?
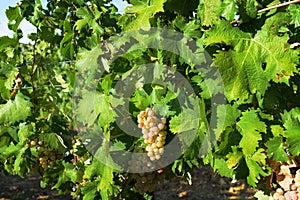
point(153, 132)
point(293, 193)
point(46, 155)
point(145, 182)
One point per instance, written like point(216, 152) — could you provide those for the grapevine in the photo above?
point(70, 94)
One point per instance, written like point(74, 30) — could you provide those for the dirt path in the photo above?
point(16, 188)
point(206, 185)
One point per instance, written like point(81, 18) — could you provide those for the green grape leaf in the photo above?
point(229, 9)
point(277, 130)
point(91, 105)
point(221, 166)
point(255, 170)
point(90, 190)
point(21, 164)
point(185, 121)
point(250, 128)
point(141, 99)
point(184, 7)
point(85, 16)
point(241, 67)
point(191, 29)
point(67, 45)
point(14, 17)
point(234, 158)
point(276, 150)
point(143, 11)
point(24, 133)
point(294, 12)
point(67, 174)
point(292, 125)
point(209, 11)
point(5, 139)
point(105, 185)
point(10, 72)
point(6, 41)
point(88, 18)
point(226, 116)
point(247, 9)
point(53, 140)
point(12, 149)
point(117, 146)
point(260, 156)
point(15, 110)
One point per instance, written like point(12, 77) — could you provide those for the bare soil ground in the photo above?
point(206, 185)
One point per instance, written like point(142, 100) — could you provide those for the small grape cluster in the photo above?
point(153, 132)
point(46, 155)
point(293, 193)
point(145, 182)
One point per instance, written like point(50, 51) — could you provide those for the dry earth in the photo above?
point(206, 185)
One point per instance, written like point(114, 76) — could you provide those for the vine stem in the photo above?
point(278, 6)
point(32, 78)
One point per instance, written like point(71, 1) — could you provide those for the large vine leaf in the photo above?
point(276, 150)
point(254, 164)
point(250, 128)
point(93, 104)
point(15, 110)
point(226, 116)
point(221, 166)
point(292, 124)
point(14, 16)
point(209, 11)
point(67, 174)
point(143, 11)
point(242, 66)
point(294, 11)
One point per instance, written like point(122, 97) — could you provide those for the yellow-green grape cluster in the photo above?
point(153, 132)
point(33, 143)
point(147, 182)
point(46, 155)
point(293, 193)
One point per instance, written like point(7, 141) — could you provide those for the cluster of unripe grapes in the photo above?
point(46, 155)
point(145, 182)
point(293, 193)
point(153, 132)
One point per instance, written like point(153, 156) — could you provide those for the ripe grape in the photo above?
point(279, 191)
point(33, 143)
point(161, 126)
point(294, 187)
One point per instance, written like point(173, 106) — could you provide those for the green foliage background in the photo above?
point(253, 54)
